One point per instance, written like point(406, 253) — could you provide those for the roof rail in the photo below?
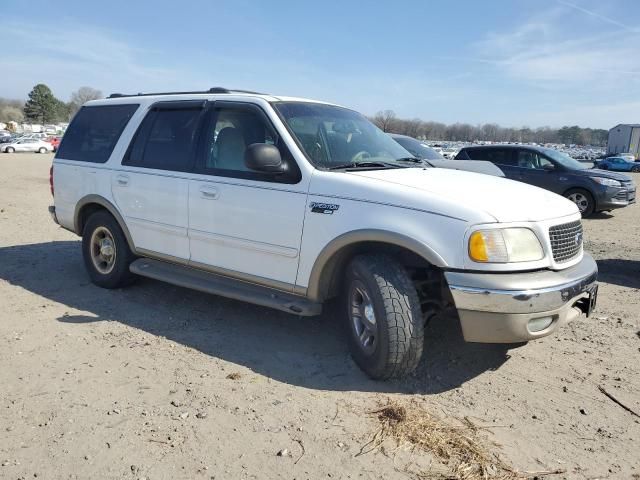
point(211, 90)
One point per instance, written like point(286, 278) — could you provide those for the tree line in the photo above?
point(43, 107)
point(465, 132)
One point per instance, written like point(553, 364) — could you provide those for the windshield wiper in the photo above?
point(409, 159)
point(363, 165)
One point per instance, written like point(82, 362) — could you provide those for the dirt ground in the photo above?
point(135, 383)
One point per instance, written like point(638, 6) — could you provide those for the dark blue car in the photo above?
point(591, 189)
point(617, 164)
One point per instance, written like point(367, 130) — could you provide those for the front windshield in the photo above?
point(333, 136)
point(564, 159)
point(418, 148)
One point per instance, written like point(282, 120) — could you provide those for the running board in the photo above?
point(224, 286)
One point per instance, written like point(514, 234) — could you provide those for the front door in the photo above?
point(537, 170)
point(151, 188)
point(244, 223)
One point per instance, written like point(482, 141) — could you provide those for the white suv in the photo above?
point(288, 203)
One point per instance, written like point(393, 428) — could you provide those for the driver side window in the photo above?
point(532, 160)
point(229, 129)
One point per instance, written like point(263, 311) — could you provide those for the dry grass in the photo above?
point(463, 449)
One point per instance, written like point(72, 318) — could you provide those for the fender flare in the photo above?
point(328, 257)
point(107, 205)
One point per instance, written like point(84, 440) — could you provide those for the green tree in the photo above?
point(42, 106)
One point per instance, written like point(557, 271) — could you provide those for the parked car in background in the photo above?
point(54, 141)
point(592, 190)
point(618, 164)
point(5, 137)
point(26, 145)
point(417, 148)
point(627, 156)
point(424, 152)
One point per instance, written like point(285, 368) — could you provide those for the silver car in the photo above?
point(26, 145)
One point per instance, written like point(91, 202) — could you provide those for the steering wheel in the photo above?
point(361, 155)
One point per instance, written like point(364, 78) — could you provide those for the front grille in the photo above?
point(566, 241)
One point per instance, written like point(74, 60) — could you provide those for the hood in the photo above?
point(596, 172)
point(503, 199)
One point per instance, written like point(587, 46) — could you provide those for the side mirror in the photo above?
point(549, 167)
point(263, 157)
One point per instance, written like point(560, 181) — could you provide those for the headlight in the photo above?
point(504, 246)
point(609, 182)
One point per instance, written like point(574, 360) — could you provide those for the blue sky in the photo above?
point(512, 62)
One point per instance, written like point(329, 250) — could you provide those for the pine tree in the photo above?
point(42, 106)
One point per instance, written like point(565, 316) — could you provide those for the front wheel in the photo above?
point(10, 150)
point(583, 200)
point(42, 150)
point(106, 253)
point(385, 324)
point(635, 169)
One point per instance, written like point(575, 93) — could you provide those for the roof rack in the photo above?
point(211, 90)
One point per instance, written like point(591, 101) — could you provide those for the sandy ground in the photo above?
point(133, 383)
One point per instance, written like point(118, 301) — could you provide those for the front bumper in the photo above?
point(613, 197)
point(510, 307)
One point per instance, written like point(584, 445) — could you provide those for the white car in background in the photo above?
point(26, 145)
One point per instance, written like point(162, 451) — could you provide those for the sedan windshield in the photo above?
point(564, 159)
point(335, 137)
point(418, 148)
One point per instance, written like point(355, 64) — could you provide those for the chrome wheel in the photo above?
point(363, 316)
point(580, 200)
point(103, 250)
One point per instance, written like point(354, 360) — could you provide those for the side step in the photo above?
point(224, 286)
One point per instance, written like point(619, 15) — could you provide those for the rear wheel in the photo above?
point(583, 200)
point(42, 150)
point(385, 324)
point(10, 150)
point(635, 169)
point(106, 253)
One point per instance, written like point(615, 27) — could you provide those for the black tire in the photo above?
point(42, 150)
point(398, 325)
point(635, 169)
point(604, 167)
point(113, 274)
point(583, 200)
point(10, 150)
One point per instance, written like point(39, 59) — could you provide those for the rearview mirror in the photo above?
point(263, 157)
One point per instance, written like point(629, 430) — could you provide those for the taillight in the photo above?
point(51, 179)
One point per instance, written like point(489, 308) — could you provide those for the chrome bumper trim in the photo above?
point(469, 293)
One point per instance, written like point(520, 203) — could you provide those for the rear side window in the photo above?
point(94, 132)
point(166, 140)
point(499, 156)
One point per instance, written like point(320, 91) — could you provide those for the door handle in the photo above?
point(210, 193)
point(123, 180)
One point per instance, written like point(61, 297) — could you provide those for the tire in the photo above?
point(391, 345)
point(106, 271)
point(583, 200)
point(635, 169)
point(42, 150)
point(604, 167)
point(10, 150)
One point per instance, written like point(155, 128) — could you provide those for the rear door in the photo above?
point(243, 223)
point(151, 188)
